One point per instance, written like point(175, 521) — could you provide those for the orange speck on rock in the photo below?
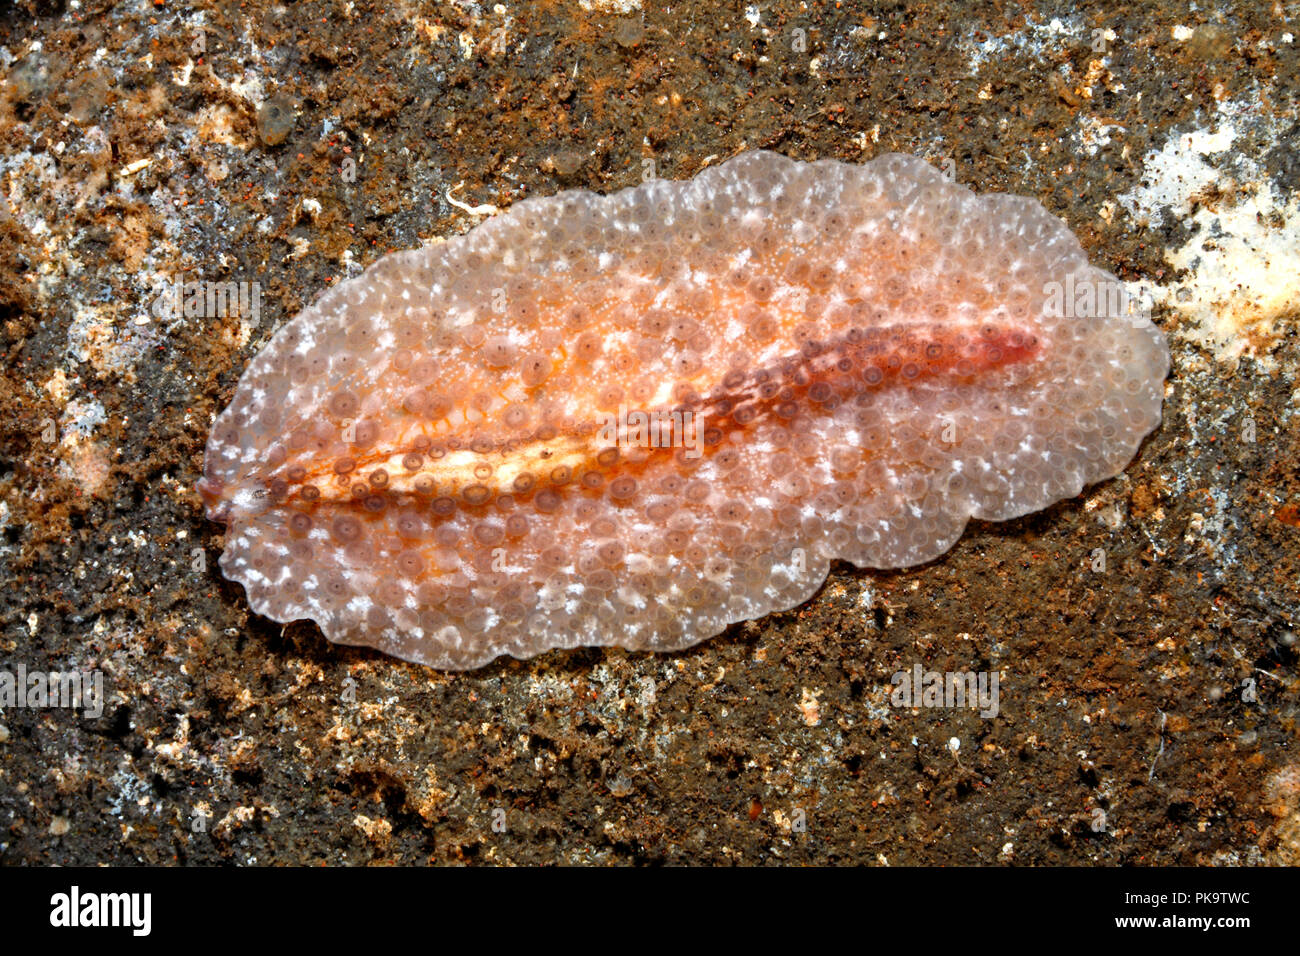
point(1288, 514)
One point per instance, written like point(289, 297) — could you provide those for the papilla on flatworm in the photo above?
point(421, 460)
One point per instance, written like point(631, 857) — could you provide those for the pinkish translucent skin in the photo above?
point(874, 352)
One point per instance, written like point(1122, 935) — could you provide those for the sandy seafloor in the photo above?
point(1147, 712)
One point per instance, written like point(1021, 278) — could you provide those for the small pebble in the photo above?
point(275, 120)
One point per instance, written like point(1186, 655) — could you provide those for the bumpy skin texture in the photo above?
point(872, 355)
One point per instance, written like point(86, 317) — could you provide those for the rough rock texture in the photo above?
point(1144, 633)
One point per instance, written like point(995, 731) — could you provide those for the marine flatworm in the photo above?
point(635, 419)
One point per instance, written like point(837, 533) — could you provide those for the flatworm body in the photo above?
point(635, 419)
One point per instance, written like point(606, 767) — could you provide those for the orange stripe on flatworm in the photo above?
point(861, 360)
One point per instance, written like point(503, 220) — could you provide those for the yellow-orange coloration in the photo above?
point(423, 460)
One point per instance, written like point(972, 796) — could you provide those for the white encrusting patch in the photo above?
point(1239, 271)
